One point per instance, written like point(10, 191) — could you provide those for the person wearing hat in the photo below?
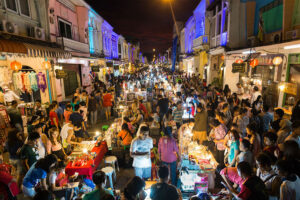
point(9, 96)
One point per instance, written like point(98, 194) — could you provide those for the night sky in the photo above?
point(147, 21)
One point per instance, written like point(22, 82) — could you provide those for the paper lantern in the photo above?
point(16, 66)
point(254, 63)
point(46, 65)
point(277, 60)
point(223, 57)
point(239, 61)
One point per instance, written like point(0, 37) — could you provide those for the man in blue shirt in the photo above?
point(267, 118)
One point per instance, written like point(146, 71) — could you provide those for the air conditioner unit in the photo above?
point(276, 37)
point(291, 35)
point(252, 41)
point(38, 33)
point(10, 27)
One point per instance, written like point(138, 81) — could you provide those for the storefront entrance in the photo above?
point(70, 83)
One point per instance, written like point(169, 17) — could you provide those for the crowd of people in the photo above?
point(255, 145)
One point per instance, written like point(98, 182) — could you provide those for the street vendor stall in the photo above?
point(87, 161)
point(86, 158)
point(197, 167)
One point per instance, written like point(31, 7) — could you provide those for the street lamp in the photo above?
point(173, 16)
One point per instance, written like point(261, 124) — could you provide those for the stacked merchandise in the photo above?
point(197, 163)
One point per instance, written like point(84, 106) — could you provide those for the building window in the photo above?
point(296, 15)
point(65, 29)
point(213, 27)
point(24, 7)
point(11, 4)
point(272, 15)
point(226, 22)
point(219, 24)
point(119, 48)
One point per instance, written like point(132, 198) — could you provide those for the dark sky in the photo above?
point(148, 21)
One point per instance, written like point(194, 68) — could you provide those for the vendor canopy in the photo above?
point(32, 50)
point(10, 46)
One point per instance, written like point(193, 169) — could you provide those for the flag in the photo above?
point(174, 51)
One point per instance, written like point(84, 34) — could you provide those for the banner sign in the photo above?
point(238, 67)
point(61, 74)
point(95, 69)
point(289, 88)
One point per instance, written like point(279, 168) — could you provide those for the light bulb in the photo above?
point(84, 150)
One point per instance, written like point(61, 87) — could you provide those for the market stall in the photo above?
point(87, 160)
point(197, 167)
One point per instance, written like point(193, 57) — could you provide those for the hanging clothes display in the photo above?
point(5, 75)
point(41, 81)
point(33, 81)
point(17, 81)
point(27, 82)
point(23, 82)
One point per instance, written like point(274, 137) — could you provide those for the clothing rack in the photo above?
point(31, 70)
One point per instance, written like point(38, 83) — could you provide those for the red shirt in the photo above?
point(52, 116)
point(107, 100)
point(245, 192)
point(143, 108)
point(67, 115)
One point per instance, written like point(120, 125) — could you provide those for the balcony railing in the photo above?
point(202, 40)
point(73, 45)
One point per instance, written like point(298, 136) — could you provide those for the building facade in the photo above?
point(25, 29)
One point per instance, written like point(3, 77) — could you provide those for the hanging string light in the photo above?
point(239, 61)
point(277, 60)
point(46, 65)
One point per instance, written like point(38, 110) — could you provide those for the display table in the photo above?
point(197, 163)
point(92, 165)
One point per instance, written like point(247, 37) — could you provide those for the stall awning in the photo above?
point(32, 50)
point(44, 51)
point(9, 46)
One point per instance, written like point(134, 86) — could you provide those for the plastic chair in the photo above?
point(109, 171)
point(113, 161)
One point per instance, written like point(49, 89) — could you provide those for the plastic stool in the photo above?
point(112, 160)
point(109, 171)
point(105, 127)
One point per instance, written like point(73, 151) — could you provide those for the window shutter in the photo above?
point(296, 16)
